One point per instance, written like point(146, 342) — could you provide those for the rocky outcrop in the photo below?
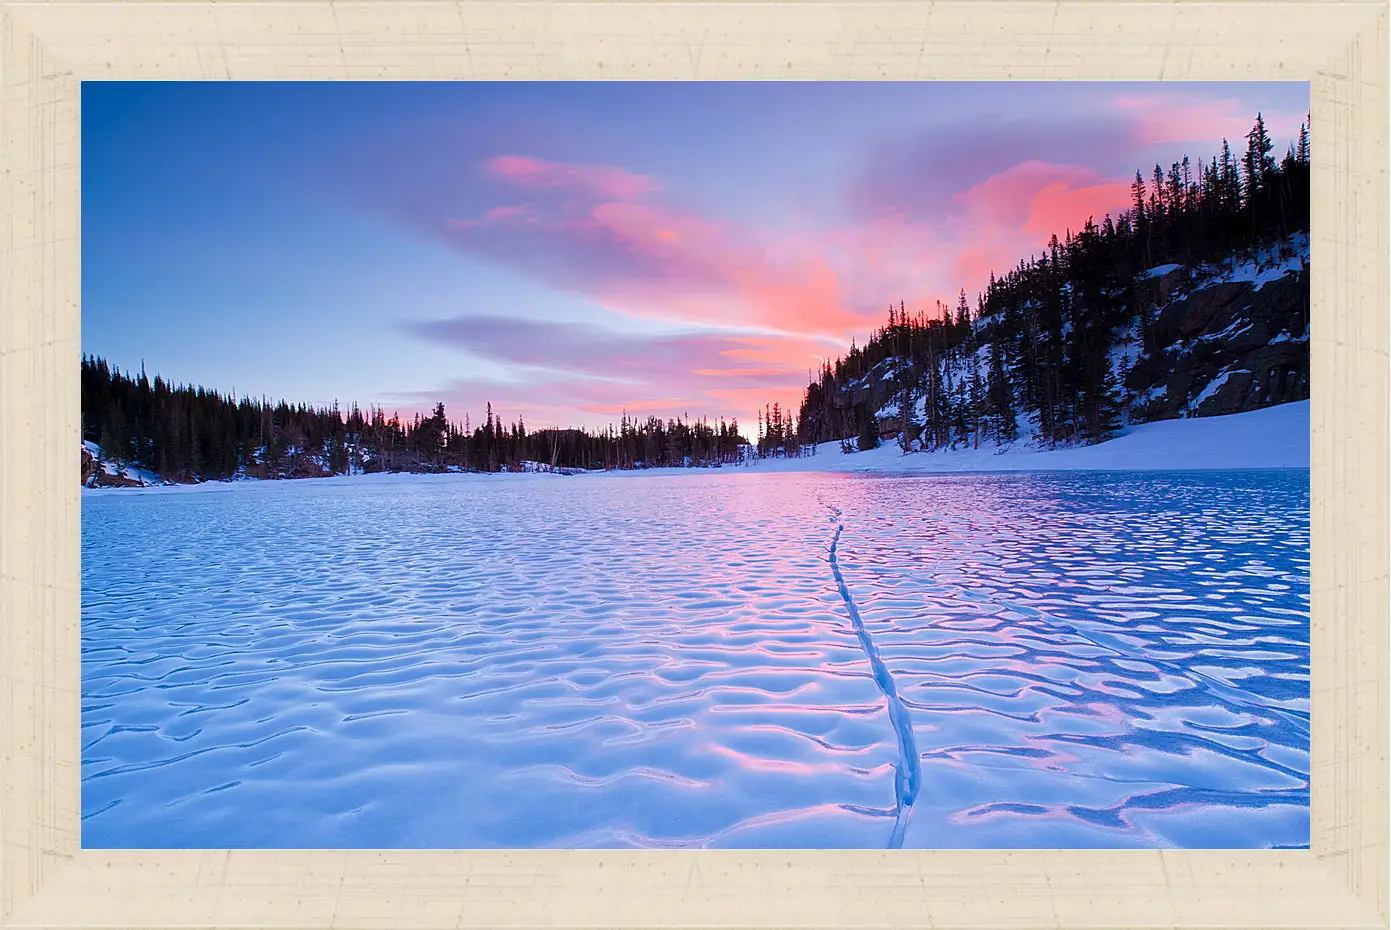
point(96, 475)
point(306, 467)
point(1210, 346)
point(1192, 316)
point(89, 466)
point(872, 392)
point(1225, 348)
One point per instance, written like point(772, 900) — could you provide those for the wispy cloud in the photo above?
point(603, 181)
point(564, 368)
point(595, 231)
point(1176, 117)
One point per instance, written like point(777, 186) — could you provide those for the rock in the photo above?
point(1272, 374)
point(308, 468)
point(89, 466)
point(1226, 328)
point(1229, 398)
point(1190, 316)
point(1158, 291)
point(1165, 285)
point(94, 475)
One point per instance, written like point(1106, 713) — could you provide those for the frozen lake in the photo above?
point(1025, 660)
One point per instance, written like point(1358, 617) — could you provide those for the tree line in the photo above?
point(1037, 344)
point(187, 433)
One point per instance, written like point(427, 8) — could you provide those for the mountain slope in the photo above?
point(1193, 302)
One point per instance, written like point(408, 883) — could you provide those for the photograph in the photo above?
point(695, 465)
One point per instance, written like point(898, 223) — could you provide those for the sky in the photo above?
point(573, 251)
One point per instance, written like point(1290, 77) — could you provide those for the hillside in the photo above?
point(1220, 340)
point(1194, 302)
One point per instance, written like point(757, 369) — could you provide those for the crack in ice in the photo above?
point(908, 777)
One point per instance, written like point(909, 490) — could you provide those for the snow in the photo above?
point(1261, 277)
point(131, 472)
point(1231, 332)
point(1284, 336)
point(893, 407)
point(1213, 386)
point(1151, 395)
point(1159, 271)
point(1273, 437)
point(1268, 265)
point(1123, 355)
point(122, 469)
point(526, 661)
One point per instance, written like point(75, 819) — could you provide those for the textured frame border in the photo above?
point(47, 49)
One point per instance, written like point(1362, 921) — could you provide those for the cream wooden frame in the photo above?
point(47, 49)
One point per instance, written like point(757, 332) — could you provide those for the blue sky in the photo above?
point(572, 250)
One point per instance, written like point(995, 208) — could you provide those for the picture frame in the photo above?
point(48, 49)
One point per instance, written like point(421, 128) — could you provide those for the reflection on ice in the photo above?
point(1115, 660)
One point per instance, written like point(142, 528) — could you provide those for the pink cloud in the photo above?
point(1059, 206)
point(595, 231)
point(671, 405)
point(1168, 118)
point(604, 181)
point(741, 372)
point(751, 401)
point(654, 260)
point(1042, 198)
point(516, 213)
point(566, 370)
point(972, 264)
point(1012, 214)
point(501, 214)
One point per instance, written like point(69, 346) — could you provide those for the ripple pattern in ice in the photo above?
point(533, 661)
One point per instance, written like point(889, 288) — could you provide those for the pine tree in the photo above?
point(1004, 424)
point(869, 428)
point(976, 399)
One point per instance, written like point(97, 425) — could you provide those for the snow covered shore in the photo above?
point(1273, 437)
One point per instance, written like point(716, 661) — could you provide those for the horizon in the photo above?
point(569, 252)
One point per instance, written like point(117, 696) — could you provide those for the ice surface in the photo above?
point(1082, 659)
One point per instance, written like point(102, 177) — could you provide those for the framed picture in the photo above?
point(744, 464)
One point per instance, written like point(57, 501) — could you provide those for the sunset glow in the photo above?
point(570, 253)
